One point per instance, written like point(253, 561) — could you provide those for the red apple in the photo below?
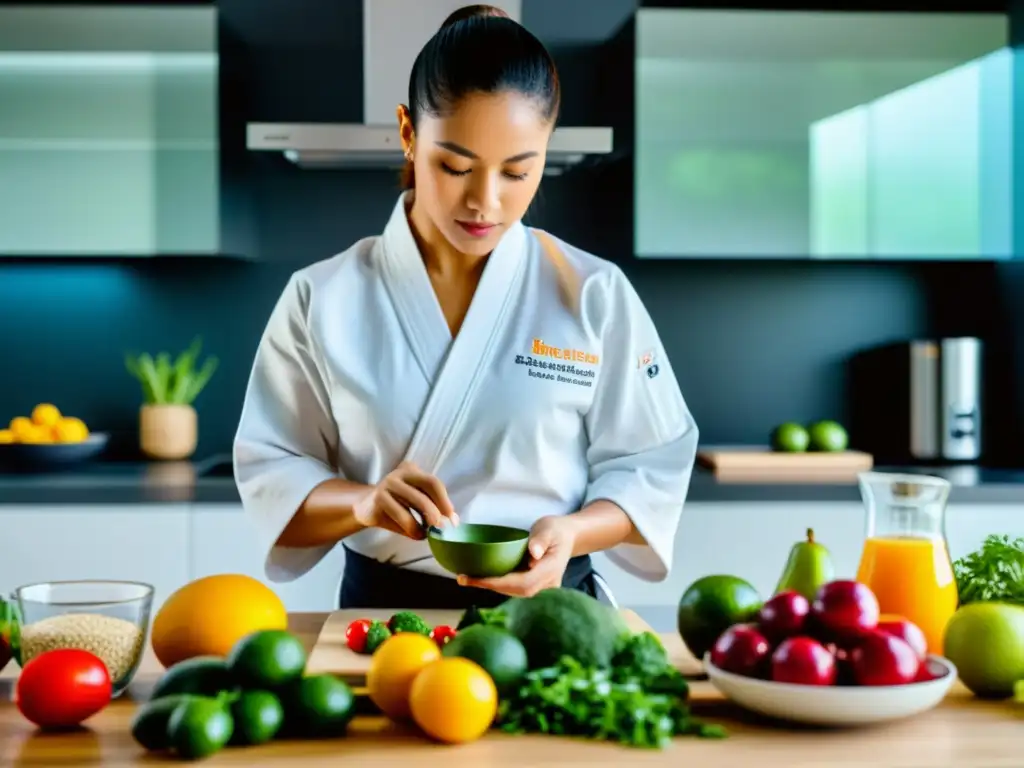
point(843, 611)
point(804, 661)
point(783, 616)
point(908, 632)
point(844, 668)
point(928, 671)
point(884, 659)
point(742, 650)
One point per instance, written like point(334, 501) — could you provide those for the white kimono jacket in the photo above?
point(556, 392)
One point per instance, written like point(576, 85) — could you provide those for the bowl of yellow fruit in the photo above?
point(47, 439)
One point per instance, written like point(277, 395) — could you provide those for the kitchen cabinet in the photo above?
point(147, 543)
point(169, 545)
point(778, 134)
point(108, 131)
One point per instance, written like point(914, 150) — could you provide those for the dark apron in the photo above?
point(368, 583)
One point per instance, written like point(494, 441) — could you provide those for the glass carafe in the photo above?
point(906, 560)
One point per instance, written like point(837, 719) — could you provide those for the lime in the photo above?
point(986, 643)
point(258, 716)
point(710, 606)
point(499, 652)
point(318, 706)
point(198, 727)
point(790, 438)
point(267, 659)
point(149, 723)
point(201, 675)
point(828, 436)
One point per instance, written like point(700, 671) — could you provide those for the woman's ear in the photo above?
point(405, 129)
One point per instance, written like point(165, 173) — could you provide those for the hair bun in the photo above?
point(474, 12)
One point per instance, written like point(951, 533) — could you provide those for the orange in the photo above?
point(21, 425)
point(70, 430)
point(209, 615)
point(394, 666)
point(45, 415)
point(454, 700)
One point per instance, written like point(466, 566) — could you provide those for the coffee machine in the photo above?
point(918, 401)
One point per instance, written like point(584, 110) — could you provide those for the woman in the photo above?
point(464, 366)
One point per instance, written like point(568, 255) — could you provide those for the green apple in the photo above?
point(828, 436)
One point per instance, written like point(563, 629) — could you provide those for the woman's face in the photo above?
point(478, 169)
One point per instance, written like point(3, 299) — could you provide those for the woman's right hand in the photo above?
point(407, 486)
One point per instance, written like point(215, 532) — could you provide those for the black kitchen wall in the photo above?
point(754, 343)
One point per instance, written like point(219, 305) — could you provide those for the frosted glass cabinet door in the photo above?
point(767, 134)
point(108, 151)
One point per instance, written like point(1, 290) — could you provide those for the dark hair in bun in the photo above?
point(479, 49)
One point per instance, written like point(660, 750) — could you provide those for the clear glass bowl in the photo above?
point(107, 618)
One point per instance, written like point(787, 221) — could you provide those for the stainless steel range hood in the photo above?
point(389, 49)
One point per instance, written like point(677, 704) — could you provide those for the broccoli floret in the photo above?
point(407, 621)
point(375, 635)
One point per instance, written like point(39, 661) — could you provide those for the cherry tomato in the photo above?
point(441, 634)
point(355, 635)
point(62, 688)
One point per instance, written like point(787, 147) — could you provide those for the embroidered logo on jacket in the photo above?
point(558, 364)
point(558, 353)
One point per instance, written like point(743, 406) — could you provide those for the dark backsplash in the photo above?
point(753, 342)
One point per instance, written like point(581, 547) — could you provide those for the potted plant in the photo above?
point(168, 425)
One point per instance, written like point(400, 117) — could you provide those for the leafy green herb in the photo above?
point(640, 701)
point(993, 573)
point(494, 617)
point(167, 382)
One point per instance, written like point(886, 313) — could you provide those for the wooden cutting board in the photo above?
point(760, 463)
point(332, 655)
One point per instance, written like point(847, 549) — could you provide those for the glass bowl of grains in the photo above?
point(107, 618)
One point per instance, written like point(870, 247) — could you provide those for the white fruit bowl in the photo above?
point(834, 705)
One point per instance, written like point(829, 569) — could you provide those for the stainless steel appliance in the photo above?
point(393, 33)
point(919, 401)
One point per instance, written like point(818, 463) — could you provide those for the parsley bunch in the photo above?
point(641, 701)
point(994, 573)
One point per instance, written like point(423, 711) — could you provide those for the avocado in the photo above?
point(559, 622)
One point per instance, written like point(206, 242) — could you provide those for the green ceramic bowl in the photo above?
point(479, 551)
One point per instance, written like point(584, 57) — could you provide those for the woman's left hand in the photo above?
point(550, 548)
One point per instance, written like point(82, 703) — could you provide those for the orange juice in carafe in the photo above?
point(906, 560)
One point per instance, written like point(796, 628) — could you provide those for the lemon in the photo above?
point(394, 666)
point(21, 425)
point(454, 700)
point(45, 415)
point(70, 430)
point(35, 434)
point(7, 437)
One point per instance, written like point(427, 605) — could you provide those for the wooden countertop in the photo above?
point(963, 732)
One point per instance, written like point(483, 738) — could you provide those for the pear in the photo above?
point(808, 568)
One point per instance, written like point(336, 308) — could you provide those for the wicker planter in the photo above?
point(168, 432)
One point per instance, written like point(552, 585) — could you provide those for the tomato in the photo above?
point(61, 688)
point(441, 634)
point(355, 635)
